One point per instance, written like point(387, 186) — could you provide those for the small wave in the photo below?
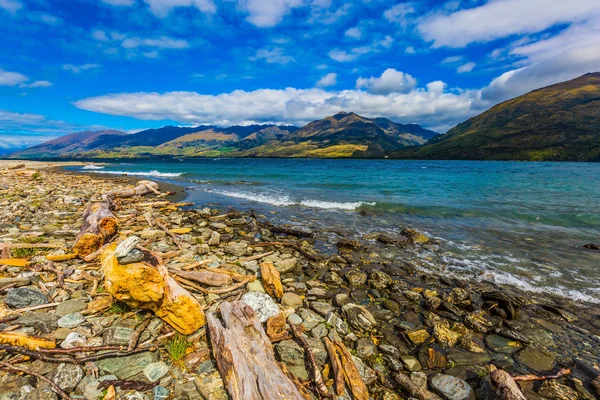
point(93, 167)
point(145, 173)
point(283, 200)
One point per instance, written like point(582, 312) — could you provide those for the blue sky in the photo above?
point(70, 65)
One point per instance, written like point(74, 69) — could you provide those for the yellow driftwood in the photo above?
point(61, 257)
point(181, 231)
point(271, 280)
point(351, 374)
point(22, 340)
point(14, 262)
point(142, 286)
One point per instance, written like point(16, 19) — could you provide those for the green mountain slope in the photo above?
point(556, 123)
point(74, 143)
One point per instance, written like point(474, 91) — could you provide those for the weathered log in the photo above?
point(141, 285)
point(415, 390)
point(245, 356)
point(336, 365)
point(316, 372)
point(271, 280)
point(142, 189)
point(100, 224)
point(504, 386)
point(204, 276)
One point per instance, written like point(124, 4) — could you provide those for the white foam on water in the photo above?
point(154, 173)
point(284, 200)
point(93, 167)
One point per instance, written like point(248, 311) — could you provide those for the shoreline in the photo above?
point(425, 325)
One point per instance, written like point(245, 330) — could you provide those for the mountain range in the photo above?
point(560, 122)
point(341, 135)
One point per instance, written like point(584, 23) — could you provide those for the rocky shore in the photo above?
point(66, 332)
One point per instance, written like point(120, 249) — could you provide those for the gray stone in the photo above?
point(356, 277)
point(500, 344)
point(310, 318)
point(73, 339)
point(262, 304)
point(152, 234)
point(209, 382)
point(237, 249)
point(319, 331)
point(255, 286)
point(154, 371)
point(365, 348)
point(291, 300)
point(71, 306)
point(285, 266)
point(292, 355)
point(126, 367)
point(321, 308)
point(215, 239)
point(24, 297)
point(160, 393)
point(117, 335)
point(89, 386)
point(71, 320)
point(535, 359)
point(450, 387)
point(411, 363)
point(68, 376)
point(40, 321)
point(366, 373)
point(318, 350)
point(359, 317)
point(294, 319)
point(339, 324)
point(133, 256)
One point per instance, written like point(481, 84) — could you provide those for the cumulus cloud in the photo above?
point(328, 80)
point(8, 78)
point(162, 42)
point(275, 55)
point(12, 6)
point(431, 106)
point(21, 130)
point(267, 13)
point(80, 68)
point(162, 8)
point(467, 67)
point(390, 81)
point(399, 12)
point(498, 19)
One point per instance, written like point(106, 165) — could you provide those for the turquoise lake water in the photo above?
point(515, 223)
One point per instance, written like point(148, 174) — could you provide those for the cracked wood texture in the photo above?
point(245, 356)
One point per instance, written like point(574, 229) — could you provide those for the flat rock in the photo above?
point(500, 344)
point(292, 355)
point(291, 300)
point(24, 297)
point(126, 367)
point(450, 387)
point(68, 376)
point(535, 359)
point(285, 266)
point(71, 306)
point(154, 371)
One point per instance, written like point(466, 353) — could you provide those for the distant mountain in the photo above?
point(341, 135)
point(344, 134)
point(74, 143)
point(560, 122)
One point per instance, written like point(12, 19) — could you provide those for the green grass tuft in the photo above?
point(177, 347)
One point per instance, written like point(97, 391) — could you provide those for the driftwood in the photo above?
point(564, 371)
point(351, 374)
point(204, 276)
point(100, 224)
point(336, 365)
point(318, 377)
point(504, 386)
point(415, 391)
point(245, 356)
point(271, 280)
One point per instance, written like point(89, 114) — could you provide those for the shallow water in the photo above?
point(514, 223)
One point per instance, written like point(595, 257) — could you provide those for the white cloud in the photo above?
point(390, 81)
point(356, 52)
point(431, 106)
point(12, 6)
point(36, 84)
point(162, 8)
point(79, 68)
point(162, 42)
point(452, 60)
point(100, 35)
point(467, 67)
point(399, 12)
point(328, 80)
point(8, 78)
point(502, 18)
point(355, 33)
point(274, 55)
point(268, 13)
